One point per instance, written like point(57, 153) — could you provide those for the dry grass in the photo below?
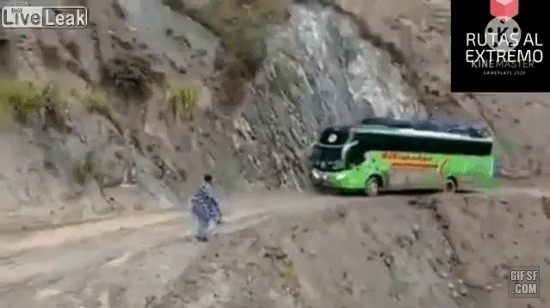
point(93, 99)
point(289, 276)
point(183, 101)
point(23, 99)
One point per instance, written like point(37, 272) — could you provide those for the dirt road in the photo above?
point(134, 261)
point(141, 254)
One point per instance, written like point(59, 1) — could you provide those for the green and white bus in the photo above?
point(376, 158)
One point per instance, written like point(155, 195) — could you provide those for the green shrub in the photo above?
point(130, 76)
point(234, 74)
point(247, 41)
point(237, 12)
point(183, 101)
point(94, 100)
point(84, 170)
point(21, 99)
point(285, 78)
point(243, 25)
point(99, 101)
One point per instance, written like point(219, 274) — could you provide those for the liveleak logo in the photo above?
point(22, 17)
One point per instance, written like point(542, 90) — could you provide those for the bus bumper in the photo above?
point(320, 179)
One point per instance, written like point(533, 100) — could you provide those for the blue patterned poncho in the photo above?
point(205, 206)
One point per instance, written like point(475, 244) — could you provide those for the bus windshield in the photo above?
point(327, 158)
point(326, 154)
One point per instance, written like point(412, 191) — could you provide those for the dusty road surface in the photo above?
point(290, 250)
point(77, 265)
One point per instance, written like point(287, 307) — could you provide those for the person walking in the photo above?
point(205, 209)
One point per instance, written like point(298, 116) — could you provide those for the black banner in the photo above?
point(499, 46)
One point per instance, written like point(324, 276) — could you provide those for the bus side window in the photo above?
point(440, 146)
point(461, 147)
point(355, 155)
point(407, 144)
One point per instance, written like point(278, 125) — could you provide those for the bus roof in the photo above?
point(381, 129)
point(443, 125)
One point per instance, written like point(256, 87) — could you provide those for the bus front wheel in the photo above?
point(372, 186)
point(450, 185)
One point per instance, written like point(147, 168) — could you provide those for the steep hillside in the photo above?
point(158, 93)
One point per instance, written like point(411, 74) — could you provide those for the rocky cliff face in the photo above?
point(319, 72)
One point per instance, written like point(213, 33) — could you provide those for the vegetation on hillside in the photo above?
point(183, 100)
point(242, 26)
point(286, 77)
point(84, 170)
point(22, 99)
point(130, 77)
point(93, 99)
point(97, 100)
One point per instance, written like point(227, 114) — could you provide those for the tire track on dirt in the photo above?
point(57, 252)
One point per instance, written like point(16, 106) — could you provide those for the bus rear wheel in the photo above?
point(372, 186)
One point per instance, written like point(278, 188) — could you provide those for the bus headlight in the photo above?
point(340, 176)
point(315, 174)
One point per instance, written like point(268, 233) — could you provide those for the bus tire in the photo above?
point(372, 186)
point(450, 186)
point(321, 190)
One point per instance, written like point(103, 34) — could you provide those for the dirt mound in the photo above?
point(443, 251)
point(490, 234)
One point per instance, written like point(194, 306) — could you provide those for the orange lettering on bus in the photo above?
point(410, 157)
